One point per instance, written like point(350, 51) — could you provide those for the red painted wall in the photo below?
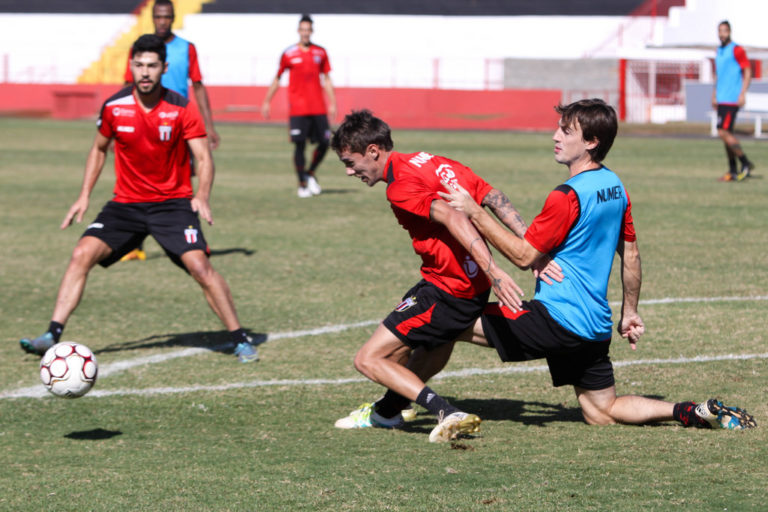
point(401, 108)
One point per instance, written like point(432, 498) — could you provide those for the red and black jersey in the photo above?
point(305, 92)
point(413, 181)
point(151, 154)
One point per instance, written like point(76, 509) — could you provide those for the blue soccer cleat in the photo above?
point(39, 345)
point(246, 353)
point(718, 415)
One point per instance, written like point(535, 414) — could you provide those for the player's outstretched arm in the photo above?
point(205, 171)
point(545, 268)
point(93, 166)
point(466, 234)
point(502, 208)
point(630, 326)
point(517, 250)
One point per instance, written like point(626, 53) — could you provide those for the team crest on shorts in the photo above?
point(191, 235)
point(406, 304)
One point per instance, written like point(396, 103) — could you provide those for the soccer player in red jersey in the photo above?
point(457, 269)
point(307, 63)
point(154, 130)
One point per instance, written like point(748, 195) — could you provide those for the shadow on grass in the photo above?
point(155, 255)
point(503, 409)
point(93, 435)
point(216, 341)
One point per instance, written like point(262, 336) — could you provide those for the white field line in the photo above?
point(120, 366)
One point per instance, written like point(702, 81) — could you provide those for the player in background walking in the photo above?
point(154, 130)
point(584, 222)
point(732, 77)
point(307, 63)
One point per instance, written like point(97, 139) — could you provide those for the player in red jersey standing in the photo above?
point(457, 270)
point(307, 63)
point(154, 130)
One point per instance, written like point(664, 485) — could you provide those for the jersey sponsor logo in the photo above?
point(609, 194)
point(470, 267)
point(318, 59)
point(406, 304)
point(420, 159)
point(296, 60)
point(95, 225)
point(190, 234)
point(165, 132)
point(446, 174)
point(126, 129)
point(169, 115)
point(123, 112)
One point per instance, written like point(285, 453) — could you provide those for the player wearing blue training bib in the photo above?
point(583, 224)
point(733, 75)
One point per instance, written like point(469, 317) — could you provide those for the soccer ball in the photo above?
point(68, 369)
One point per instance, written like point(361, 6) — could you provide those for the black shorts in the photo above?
point(429, 317)
point(123, 226)
point(314, 128)
point(726, 117)
point(534, 334)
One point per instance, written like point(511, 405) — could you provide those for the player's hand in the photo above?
point(203, 209)
point(742, 99)
point(75, 213)
point(332, 113)
point(631, 326)
point(213, 139)
point(507, 290)
point(547, 269)
point(458, 198)
point(265, 110)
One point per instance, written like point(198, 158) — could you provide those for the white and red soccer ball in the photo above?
point(68, 369)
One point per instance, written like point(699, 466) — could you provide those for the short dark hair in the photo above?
point(726, 23)
point(597, 120)
point(304, 17)
point(359, 130)
point(164, 2)
point(149, 43)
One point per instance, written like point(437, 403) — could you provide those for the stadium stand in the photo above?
point(70, 6)
point(435, 7)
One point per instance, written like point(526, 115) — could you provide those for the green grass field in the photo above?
point(169, 430)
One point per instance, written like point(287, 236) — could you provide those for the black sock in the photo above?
point(732, 164)
point(743, 159)
point(391, 404)
point(434, 403)
point(56, 329)
point(685, 413)
point(239, 336)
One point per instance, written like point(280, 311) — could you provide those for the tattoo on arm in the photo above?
point(502, 208)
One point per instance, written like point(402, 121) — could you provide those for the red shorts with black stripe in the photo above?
point(429, 317)
point(533, 334)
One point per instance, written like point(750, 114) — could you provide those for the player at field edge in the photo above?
point(307, 63)
point(457, 271)
point(183, 68)
point(583, 223)
point(733, 75)
point(154, 130)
